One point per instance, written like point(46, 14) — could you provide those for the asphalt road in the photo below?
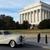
point(25, 47)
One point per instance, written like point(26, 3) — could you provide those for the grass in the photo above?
point(30, 31)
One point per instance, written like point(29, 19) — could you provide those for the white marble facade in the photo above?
point(35, 13)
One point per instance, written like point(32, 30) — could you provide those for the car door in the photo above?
point(1, 37)
point(6, 37)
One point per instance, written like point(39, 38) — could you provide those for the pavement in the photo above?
point(24, 47)
point(35, 43)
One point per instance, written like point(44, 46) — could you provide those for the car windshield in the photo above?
point(7, 33)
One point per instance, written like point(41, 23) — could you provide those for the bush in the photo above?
point(25, 25)
point(45, 24)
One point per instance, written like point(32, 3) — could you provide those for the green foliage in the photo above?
point(6, 22)
point(45, 24)
point(25, 25)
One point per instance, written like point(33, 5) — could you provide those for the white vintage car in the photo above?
point(11, 39)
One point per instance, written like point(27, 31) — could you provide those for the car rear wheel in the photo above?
point(12, 43)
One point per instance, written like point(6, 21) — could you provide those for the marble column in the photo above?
point(34, 16)
point(45, 14)
point(40, 17)
point(21, 18)
point(24, 16)
point(37, 15)
point(31, 16)
point(42, 14)
point(28, 16)
point(48, 14)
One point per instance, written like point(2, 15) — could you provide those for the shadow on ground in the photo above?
point(21, 46)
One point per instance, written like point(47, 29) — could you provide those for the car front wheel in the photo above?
point(12, 43)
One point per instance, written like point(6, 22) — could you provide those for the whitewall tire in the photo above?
point(12, 43)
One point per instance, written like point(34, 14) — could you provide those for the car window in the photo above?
point(7, 33)
point(0, 33)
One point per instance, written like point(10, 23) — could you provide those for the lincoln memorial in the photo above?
point(35, 13)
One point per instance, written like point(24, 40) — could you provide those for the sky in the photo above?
point(13, 7)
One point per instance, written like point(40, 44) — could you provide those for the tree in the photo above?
point(7, 22)
point(25, 25)
point(45, 24)
point(2, 25)
point(17, 25)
